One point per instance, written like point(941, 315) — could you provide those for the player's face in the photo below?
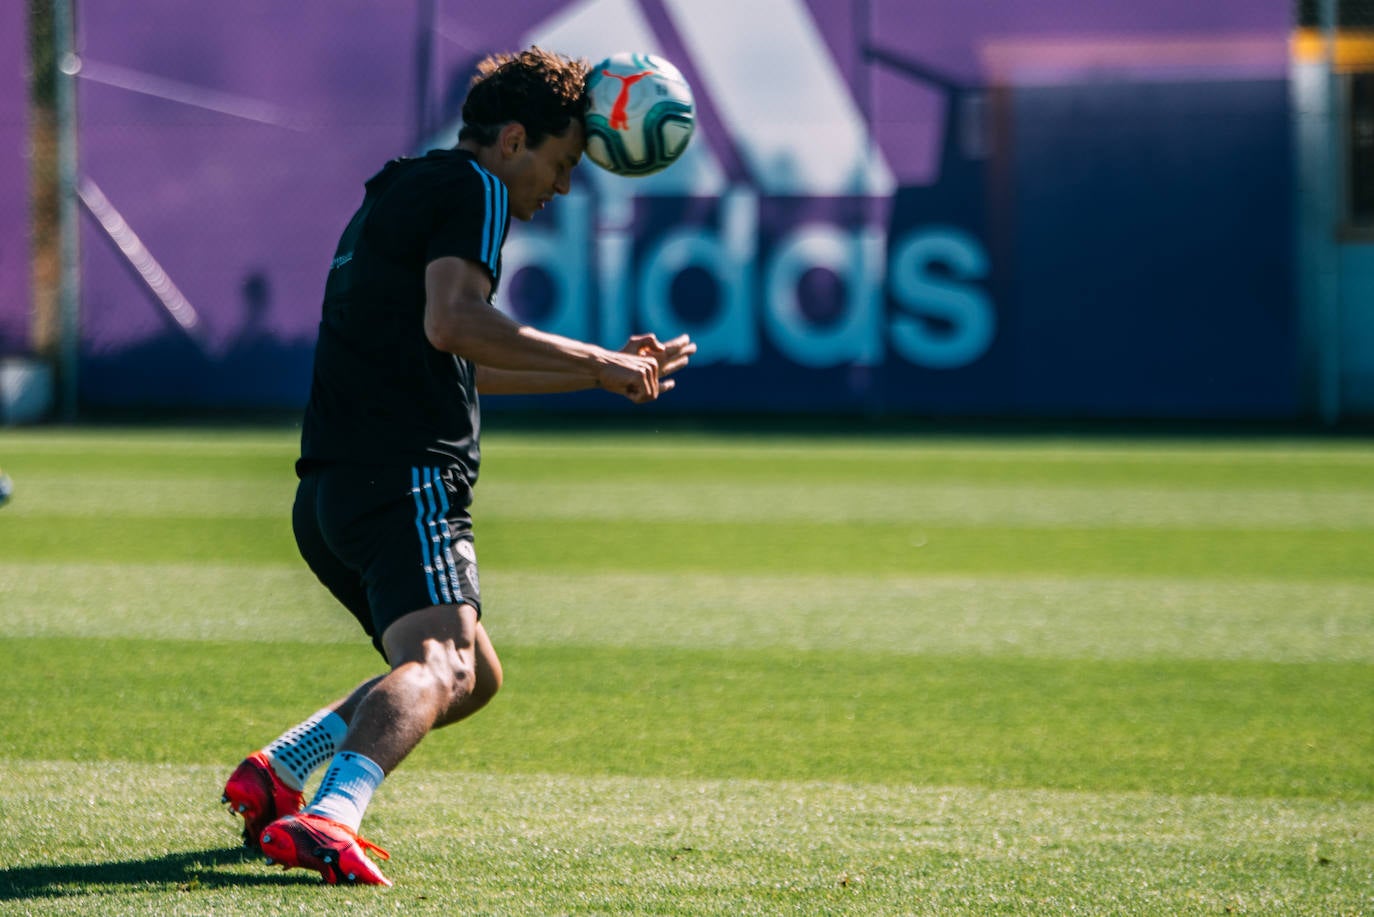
point(540, 173)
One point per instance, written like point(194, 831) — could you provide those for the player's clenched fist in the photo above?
point(670, 357)
point(631, 375)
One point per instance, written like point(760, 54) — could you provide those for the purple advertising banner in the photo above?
point(14, 178)
point(1030, 207)
point(229, 143)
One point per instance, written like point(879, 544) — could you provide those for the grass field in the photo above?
point(745, 675)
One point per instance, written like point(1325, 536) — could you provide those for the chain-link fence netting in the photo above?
point(14, 263)
point(1360, 128)
point(1350, 14)
point(1354, 52)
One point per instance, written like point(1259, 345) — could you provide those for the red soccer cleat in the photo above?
point(256, 792)
point(333, 850)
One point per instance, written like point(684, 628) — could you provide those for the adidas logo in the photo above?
point(788, 251)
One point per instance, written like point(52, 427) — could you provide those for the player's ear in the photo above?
point(512, 138)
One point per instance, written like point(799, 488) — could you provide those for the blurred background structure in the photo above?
point(1014, 208)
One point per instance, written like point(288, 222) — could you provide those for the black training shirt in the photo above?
point(381, 393)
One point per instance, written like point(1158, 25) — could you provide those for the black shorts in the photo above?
point(387, 541)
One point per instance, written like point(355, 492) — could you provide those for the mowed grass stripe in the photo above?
point(1031, 616)
point(1036, 616)
point(703, 459)
point(60, 495)
point(1231, 728)
point(1032, 506)
point(995, 462)
point(746, 547)
point(540, 844)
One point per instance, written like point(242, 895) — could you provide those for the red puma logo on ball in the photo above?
point(619, 121)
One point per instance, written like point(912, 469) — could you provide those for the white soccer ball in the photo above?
point(6, 488)
point(641, 114)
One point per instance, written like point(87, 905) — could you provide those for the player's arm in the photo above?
point(459, 320)
point(522, 382)
point(670, 357)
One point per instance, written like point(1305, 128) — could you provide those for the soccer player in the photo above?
point(389, 446)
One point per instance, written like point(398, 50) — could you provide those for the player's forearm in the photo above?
point(521, 382)
point(488, 337)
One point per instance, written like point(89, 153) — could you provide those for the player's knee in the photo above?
point(449, 669)
point(457, 677)
point(486, 683)
point(485, 686)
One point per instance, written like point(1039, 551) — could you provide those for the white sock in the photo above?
point(297, 752)
point(347, 788)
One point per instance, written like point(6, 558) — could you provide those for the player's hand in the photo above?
point(631, 375)
point(670, 357)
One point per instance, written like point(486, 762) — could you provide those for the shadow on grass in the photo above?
point(189, 870)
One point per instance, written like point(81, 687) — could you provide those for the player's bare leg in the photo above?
point(433, 680)
point(346, 706)
point(269, 782)
point(443, 669)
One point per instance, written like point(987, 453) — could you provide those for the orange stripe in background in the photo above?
point(1354, 48)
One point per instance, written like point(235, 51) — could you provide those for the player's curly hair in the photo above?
point(541, 90)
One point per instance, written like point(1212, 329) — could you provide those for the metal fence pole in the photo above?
point(68, 64)
point(1329, 370)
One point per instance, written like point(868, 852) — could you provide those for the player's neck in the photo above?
point(483, 155)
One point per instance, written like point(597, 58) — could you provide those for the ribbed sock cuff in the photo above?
point(347, 788)
point(297, 752)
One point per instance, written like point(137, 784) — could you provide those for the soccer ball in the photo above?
point(6, 488)
point(641, 114)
